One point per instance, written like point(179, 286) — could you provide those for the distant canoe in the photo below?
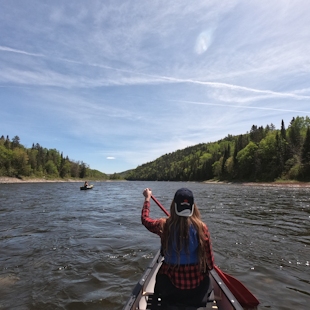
point(86, 187)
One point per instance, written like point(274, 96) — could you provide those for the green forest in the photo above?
point(38, 162)
point(262, 154)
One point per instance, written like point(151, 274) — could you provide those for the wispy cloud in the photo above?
point(245, 107)
point(12, 50)
point(58, 79)
point(130, 72)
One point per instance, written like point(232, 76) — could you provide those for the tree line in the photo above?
point(37, 161)
point(262, 154)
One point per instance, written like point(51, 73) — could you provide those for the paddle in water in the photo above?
point(242, 294)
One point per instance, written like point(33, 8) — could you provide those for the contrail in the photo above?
point(239, 106)
point(170, 79)
point(237, 87)
point(190, 81)
point(12, 50)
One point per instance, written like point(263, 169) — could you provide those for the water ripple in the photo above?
point(62, 248)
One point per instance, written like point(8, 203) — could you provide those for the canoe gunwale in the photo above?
point(222, 296)
point(138, 292)
point(220, 288)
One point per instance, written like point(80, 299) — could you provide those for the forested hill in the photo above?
point(263, 154)
point(19, 161)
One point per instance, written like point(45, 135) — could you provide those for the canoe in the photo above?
point(220, 298)
point(87, 187)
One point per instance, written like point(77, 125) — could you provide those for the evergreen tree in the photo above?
point(305, 157)
point(15, 142)
point(7, 142)
point(294, 136)
point(82, 171)
point(283, 131)
point(306, 148)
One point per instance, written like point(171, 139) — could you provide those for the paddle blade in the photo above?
point(243, 295)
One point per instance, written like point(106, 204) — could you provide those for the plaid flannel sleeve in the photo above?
point(152, 225)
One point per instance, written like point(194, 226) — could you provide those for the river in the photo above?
point(62, 248)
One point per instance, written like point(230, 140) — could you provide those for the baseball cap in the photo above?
point(184, 202)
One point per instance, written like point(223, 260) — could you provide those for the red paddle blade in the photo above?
point(242, 294)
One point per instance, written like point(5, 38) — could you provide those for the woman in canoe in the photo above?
point(183, 277)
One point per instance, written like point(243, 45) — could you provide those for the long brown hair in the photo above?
point(177, 228)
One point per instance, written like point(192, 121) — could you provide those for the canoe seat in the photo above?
point(160, 306)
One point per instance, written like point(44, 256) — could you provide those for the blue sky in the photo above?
point(116, 84)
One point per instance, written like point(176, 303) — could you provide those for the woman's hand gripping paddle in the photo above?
point(243, 295)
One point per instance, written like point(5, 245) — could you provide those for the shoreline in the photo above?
point(278, 184)
point(265, 184)
point(6, 180)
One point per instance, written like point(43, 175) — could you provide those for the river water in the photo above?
point(62, 248)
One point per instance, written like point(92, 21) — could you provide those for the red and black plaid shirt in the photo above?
point(183, 276)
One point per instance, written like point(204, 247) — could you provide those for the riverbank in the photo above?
point(42, 180)
point(35, 180)
point(265, 184)
point(278, 184)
